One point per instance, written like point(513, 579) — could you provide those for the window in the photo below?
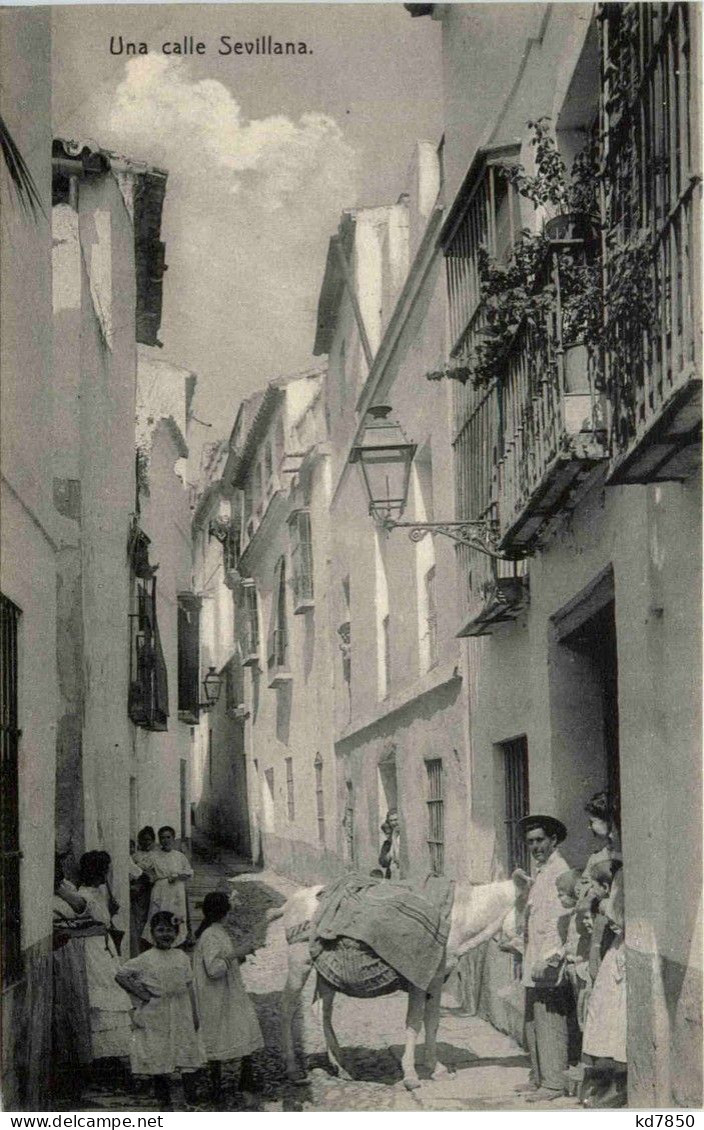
point(436, 816)
point(432, 617)
point(301, 560)
point(249, 631)
point(515, 767)
point(277, 644)
point(319, 797)
point(188, 657)
point(485, 215)
point(9, 795)
point(290, 806)
point(231, 546)
point(148, 703)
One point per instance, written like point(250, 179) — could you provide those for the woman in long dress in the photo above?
point(171, 870)
point(141, 887)
point(229, 1024)
point(109, 1004)
point(71, 1043)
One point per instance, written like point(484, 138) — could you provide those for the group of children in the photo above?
point(592, 961)
point(187, 1017)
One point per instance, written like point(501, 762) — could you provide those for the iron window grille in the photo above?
point(301, 560)
point(277, 646)
point(515, 766)
point(148, 704)
point(436, 816)
point(188, 624)
point(249, 640)
point(10, 895)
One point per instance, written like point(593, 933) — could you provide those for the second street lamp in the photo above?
point(212, 684)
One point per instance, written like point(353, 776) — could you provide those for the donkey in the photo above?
point(478, 913)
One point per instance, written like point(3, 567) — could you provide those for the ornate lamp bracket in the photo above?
point(479, 535)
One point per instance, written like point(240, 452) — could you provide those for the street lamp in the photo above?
point(211, 685)
point(385, 456)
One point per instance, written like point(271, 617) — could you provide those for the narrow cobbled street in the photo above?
point(485, 1065)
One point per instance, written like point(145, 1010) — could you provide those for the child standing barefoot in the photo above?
point(230, 1028)
point(165, 1036)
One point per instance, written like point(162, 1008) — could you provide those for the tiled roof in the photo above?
point(147, 204)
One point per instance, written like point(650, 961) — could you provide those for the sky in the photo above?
point(263, 153)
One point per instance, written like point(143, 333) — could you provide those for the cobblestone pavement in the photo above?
point(485, 1065)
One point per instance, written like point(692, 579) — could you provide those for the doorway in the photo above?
point(583, 666)
point(595, 640)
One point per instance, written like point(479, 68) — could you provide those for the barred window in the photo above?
point(301, 560)
point(436, 816)
point(188, 624)
point(277, 644)
point(290, 805)
point(10, 892)
point(249, 623)
point(148, 704)
point(319, 797)
point(515, 770)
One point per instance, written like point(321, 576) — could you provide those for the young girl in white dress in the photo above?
point(230, 1028)
point(165, 1037)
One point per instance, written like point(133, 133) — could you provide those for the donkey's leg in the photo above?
point(414, 1023)
point(299, 966)
point(432, 1021)
point(327, 996)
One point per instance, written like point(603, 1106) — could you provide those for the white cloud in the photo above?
point(197, 127)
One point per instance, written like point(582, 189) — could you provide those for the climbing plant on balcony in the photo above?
point(524, 291)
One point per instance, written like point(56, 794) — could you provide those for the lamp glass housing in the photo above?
point(211, 685)
point(385, 457)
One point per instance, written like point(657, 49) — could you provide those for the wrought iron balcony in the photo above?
point(652, 155)
point(553, 435)
point(495, 592)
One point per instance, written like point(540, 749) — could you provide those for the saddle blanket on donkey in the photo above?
point(373, 936)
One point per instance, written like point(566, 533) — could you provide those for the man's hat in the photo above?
point(549, 825)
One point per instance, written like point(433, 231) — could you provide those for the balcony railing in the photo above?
point(553, 433)
point(652, 163)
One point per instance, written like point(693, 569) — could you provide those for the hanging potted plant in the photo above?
point(568, 202)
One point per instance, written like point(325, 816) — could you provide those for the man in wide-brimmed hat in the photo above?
point(547, 997)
